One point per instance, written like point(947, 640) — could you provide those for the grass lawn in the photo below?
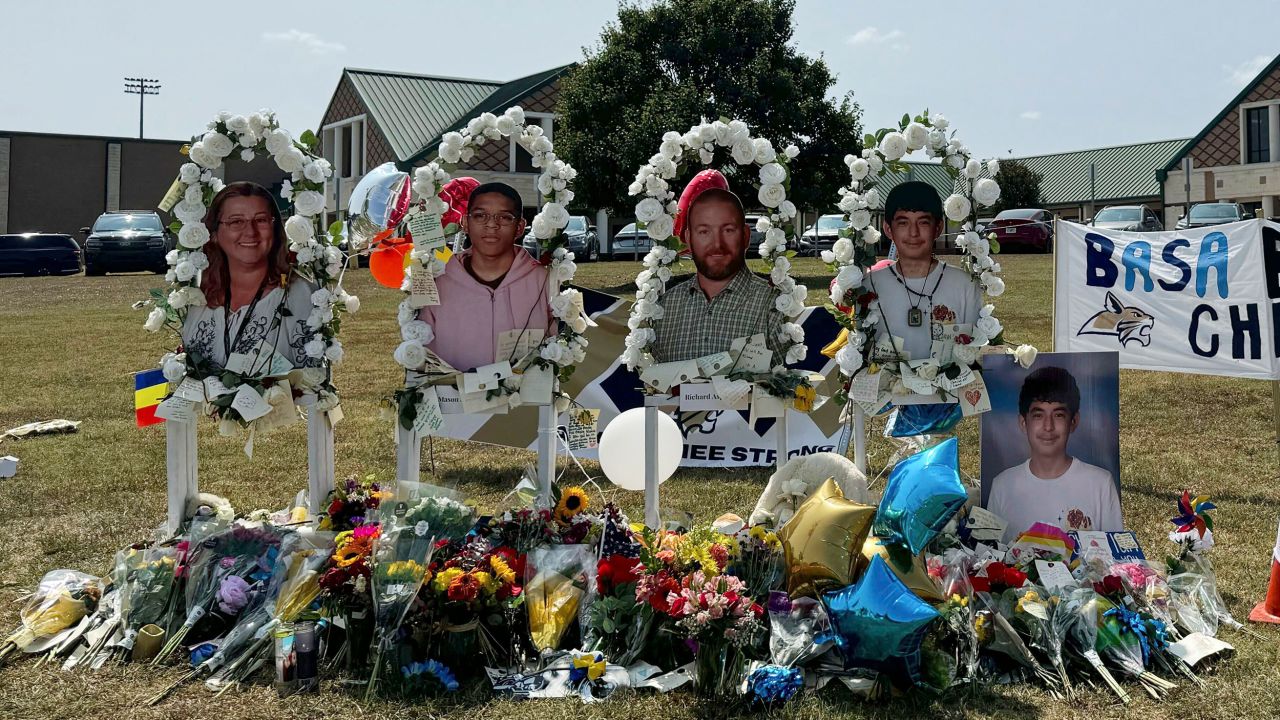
point(68, 346)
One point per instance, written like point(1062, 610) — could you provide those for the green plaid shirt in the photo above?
point(693, 326)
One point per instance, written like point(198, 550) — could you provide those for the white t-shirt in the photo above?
point(1082, 498)
point(957, 300)
point(205, 330)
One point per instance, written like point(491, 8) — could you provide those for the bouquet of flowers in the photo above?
point(144, 582)
point(352, 503)
point(716, 614)
point(561, 582)
point(756, 559)
point(399, 562)
point(1079, 622)
point(61, 599)
point(471, 603)
point(795, 628)
point(1123, 642)
point(346, 591)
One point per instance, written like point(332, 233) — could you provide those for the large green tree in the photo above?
point(665, 65)
point(1019, 186)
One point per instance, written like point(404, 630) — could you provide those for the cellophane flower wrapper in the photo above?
point(1116, 644)
point(959, 614)
point(1198, 562)
point(61, 599)
point(1033, 610)
point(146, 590)
point(559, 587)
point(1192, 604)
point(1080, 614)
point(399, 561)
point(795, 627)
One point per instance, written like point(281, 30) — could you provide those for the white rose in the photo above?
point(450, 154)
point(313, 172)
point(993, 284)
point(660, 228)
point(787, 209)
point(967, 354)
point(314, 348)
point(184, 271)
point(305, 254)
point(842, 250)
point(405, 312)
point(986, 192)
point(850, 276)
point(411, 355)
point(928, 370)
point(309, 203)
point(334, 352)
point(828, 257)
point(743, 151)
point(203, 157)
point(155, 320)
point(706, 156)
point(218, 144)
point(871, 197)
point(298, 229)
point(291, 160)
point(791, 152)
point(764, 151)
point(178, 299)
point(937, 139)
point(870, 236)
point(417, 331)
point(859, 169)
point(876, 163)
point(916, 136)
point(972, 169)
point(993, 166)
point(648, 210)
point(849, 358)
point(771, 195)
point(893, 146)
point(957, 207)
point(988, 325)
point(278, 140)
point(772, 174)
point(193, 235)
point(787, 305)
point(555, 214)
point(859, 219)
point(796, 353)
point(189, 173)
point(723, 134)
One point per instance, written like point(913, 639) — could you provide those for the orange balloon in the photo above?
point(387, 263)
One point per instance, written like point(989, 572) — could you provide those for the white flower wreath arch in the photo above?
point(656, 210)
point(854, 252)
point(317, 258)
point(561, 352)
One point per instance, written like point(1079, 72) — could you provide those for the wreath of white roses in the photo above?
point(655, 213)
point(561, 352)
point(850, 260)
point(317, 258)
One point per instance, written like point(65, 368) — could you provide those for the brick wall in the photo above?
point(1221, 146)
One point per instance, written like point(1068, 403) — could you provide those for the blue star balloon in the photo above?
point(912, 420)
point(923, 492)
point(878, 623)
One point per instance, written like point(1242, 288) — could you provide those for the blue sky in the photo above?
point(1027, 77)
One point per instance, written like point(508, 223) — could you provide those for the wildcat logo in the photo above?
point(1125, 322)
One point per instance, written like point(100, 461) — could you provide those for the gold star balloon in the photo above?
point(909, 568)
point(823, 540)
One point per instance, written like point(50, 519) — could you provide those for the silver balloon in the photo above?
point(378, 202)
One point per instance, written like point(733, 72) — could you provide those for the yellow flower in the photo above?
point(502, 570)
point(572, 501)
point(342, 538)
point(441, 581)
point(486, 581)
point(805, 397)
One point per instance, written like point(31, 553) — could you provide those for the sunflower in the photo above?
point(572, 501)
point(502, 570)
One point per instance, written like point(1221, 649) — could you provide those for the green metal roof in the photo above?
point(496, 102)
point(413, 110)
point(1124, 172)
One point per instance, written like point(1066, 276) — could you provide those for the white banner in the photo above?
point(713, 438)
point(1196, 301)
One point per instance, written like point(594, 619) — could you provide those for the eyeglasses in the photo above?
point(238, 224)
point(503, 219)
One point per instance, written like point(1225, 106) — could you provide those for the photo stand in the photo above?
point(182, 463)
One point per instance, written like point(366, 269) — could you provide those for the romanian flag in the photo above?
point(149, 388)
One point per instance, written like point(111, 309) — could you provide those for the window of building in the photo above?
point(1257, 135)
point(520, 159)
point(343, 145)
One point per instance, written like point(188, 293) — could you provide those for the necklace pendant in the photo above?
point(915, 317)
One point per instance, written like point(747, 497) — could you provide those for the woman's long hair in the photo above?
point(215, 282)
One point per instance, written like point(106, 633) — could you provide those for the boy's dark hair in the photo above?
point(913, 196)
point(1049, 385)
point(502, 189)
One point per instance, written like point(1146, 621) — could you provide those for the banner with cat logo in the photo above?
point(1203, 300)
point(712, 438)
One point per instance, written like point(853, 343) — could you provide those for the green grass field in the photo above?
point(69, 345)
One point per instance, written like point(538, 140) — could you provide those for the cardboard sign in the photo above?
point(764, 405)
point(984, 525)
point(664, 376)
point(703, 396)
point(484, 378)
point(887, 350)
point(422, 288)
point(250, 404)
point(865, 387)
point(427, 230)
point(1054, 576)
point(429, 418)
point(1119, 546)
point(515, 344)
point(581, 430)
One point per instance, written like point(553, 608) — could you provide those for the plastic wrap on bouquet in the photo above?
point(560, 586)
point(400, 558)
point(923, 492)
point(61, 599)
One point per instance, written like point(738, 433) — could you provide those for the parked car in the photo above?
point(822, 234)
point(39, 254)
point(757, 237)
point(630, 241)
point(583, 242)
point(981, 226)
point(1130, 218)
point(1216, 213)
point(1023, 228)
point(124, 241)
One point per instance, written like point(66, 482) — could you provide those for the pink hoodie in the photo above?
point(470, 315)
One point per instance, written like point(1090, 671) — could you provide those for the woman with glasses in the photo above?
point(248, 286)
point(492, 294)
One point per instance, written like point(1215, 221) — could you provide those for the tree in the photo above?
point(666, 65)
point(1019, 186)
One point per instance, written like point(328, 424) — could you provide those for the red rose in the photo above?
point(720, 554)
point(963, 339)
point(335, 507)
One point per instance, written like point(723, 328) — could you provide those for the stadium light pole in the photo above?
point(142, 87)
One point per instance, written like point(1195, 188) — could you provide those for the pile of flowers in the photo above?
point(656, 211)
point(316, 256)
point(567, 348)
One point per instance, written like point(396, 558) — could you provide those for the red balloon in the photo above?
point(400, 203)
point(387, 262)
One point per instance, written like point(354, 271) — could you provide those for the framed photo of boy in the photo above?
point(1051, 443)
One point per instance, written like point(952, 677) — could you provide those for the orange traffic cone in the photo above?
point(1268, 611)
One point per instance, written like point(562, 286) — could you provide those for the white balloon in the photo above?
point(622, 449)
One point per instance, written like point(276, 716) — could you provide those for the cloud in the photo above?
point(1245, 71)
point(872, 36)
point(1030, 115)
point(311, 42)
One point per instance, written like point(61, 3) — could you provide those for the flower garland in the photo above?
point(559, 353)
point(656, 210)
point(317, 258)
point(850, 261)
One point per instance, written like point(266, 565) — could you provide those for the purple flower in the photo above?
point(233, 595)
